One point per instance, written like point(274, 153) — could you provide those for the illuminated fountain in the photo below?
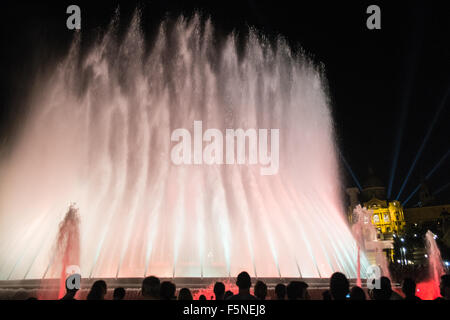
point(98, 134)
point(365, 234)
point(429, 289)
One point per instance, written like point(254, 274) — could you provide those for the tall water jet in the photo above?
point(365, 234)
point(358, 232)
point(429, 289)
point(99, 133)
point(67, 249)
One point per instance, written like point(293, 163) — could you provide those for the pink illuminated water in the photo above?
point(429, 289)
point(98, 134)
point(365, 234)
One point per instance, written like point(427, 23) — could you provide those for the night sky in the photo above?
point(385, 85)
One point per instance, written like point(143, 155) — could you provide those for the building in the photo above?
point(386, 216)
point(404, 225)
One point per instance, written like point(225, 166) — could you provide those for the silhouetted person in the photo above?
point(357, 294)
point(185, 294)
point(385, 292)
point(304, 291)
point(219, 290)
point(70, 293)
point(119, 294)
point(326, 295)
point(260, 290)
point(98, 291)
point(150, 288)
point(297, 290)
point(202, 297)
point(339, 286)
point(167, 290)
point(228, 294)
point(280, 291)
point(444, 287)
point(409, 289)
point(244, 283)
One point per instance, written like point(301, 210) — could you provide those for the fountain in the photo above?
point(365, 234)
point(66, 252)
point(98, 132)
point(429, 289)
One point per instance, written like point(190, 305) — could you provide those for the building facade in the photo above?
point(387, 217)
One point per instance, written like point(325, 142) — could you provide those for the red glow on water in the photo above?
point(428, 290)
point(358, 268)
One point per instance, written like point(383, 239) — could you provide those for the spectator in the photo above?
point(357, 294)
point(167, 290)
point(326, 295)
point(297, 290)
point(280, 291)
point(304, 294)
point(185, 294)
point(293, 290)
point(202, 297)
point(444, 287)
point(70, 293)
point(339, 286)
point(244, 283)
point(219, 290)
point(409, 289)
point(385, 291)
point(150, 288)
point(260, 290)
point(227, 294)
point(119, 293)
point(98, 291)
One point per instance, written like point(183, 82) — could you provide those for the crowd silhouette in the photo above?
point(339, 289)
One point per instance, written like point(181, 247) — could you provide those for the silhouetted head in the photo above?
point(243, 281)
point(119, 294)
point(98, 291)
point(228, 294)
point(385, 290)
point(150, 287)
point(202, 297)
point(72, 291)
point(219, 290)
point(386, 284)
point(304, 295)
point(409, 287)
point(326, 295)
point(297, 290)
point(167, 290)
point(280, 291)
point(444, 286)
point(339, 286)
point(357, 293)
point(185, 294)
point(260, 290)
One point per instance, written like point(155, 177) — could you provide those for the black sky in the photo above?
point(375, 77)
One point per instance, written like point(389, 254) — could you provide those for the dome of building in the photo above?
point(373, 188)
point(372, 181)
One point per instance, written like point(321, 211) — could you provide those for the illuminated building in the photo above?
point(387, 216)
